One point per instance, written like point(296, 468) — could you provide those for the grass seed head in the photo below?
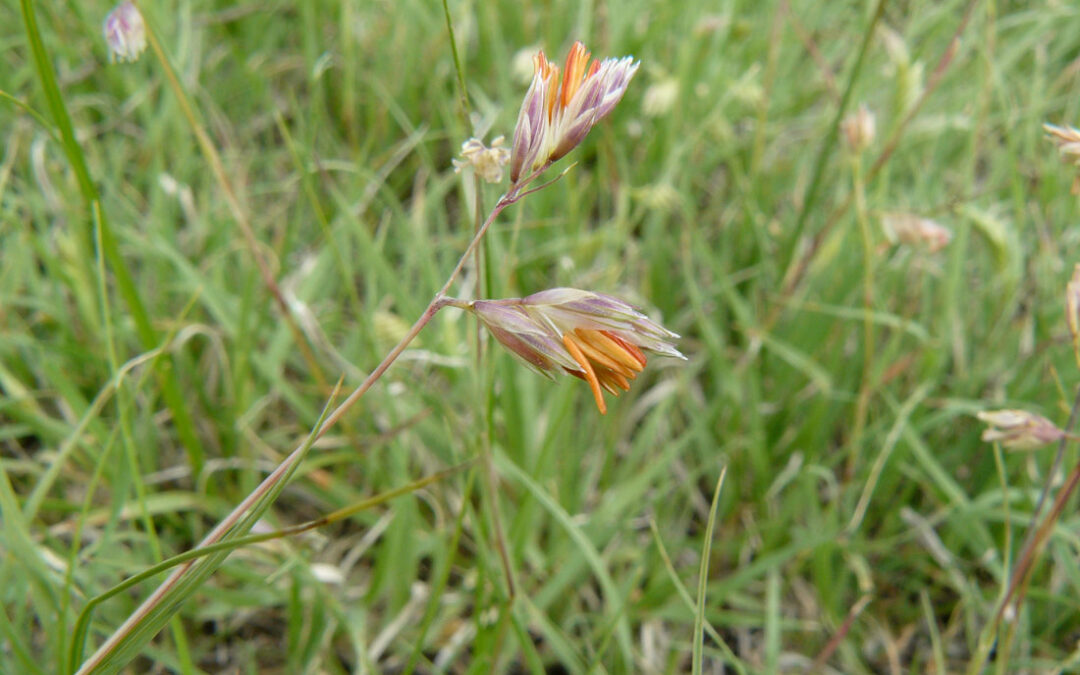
point(1068, 141)
point(560, 109)
point(908, 228)
point(859, 129)
point(598, 338)
point(487, 162)
point(125, 33)
point(1018, 429)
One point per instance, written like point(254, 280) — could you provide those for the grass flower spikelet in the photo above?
point(125, 33)
point(595, 337)
point(1018, 429)
point(559, 111)
point(487, 162)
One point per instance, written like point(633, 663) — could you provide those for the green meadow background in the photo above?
point(149, 379)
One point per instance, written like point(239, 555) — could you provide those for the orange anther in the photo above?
point(631, 349)
point(576, 61)
point(590, 374)
point(617, 349)
point(598, 354)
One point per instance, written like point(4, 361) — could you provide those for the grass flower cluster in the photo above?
point(591, 336)
point(125, 33)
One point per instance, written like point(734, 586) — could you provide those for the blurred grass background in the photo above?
point(851, 474)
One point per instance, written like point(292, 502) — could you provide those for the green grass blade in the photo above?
point(703, 576)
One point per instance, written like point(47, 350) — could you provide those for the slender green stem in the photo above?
point(496, 517)
point(477, 260)
point(697, 651)
point(863, 403)
point(462, 91)
point(684, 594)
point(1002, 659)
point(483, 383)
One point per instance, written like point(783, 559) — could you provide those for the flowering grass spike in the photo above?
point(1068, 141)
point(125, 32)
point(592, 336)
point(859, 128)
point(1018, 429)
point(558, 112)
point(487, 162)
point(908, 228)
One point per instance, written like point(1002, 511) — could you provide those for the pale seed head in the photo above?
point(1068, 141)
point(1018, 429)
point(908, 228)
point(859, 129)
point(125, 32)
point(487, 162)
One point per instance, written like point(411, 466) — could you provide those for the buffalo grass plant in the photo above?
point(245, 426)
